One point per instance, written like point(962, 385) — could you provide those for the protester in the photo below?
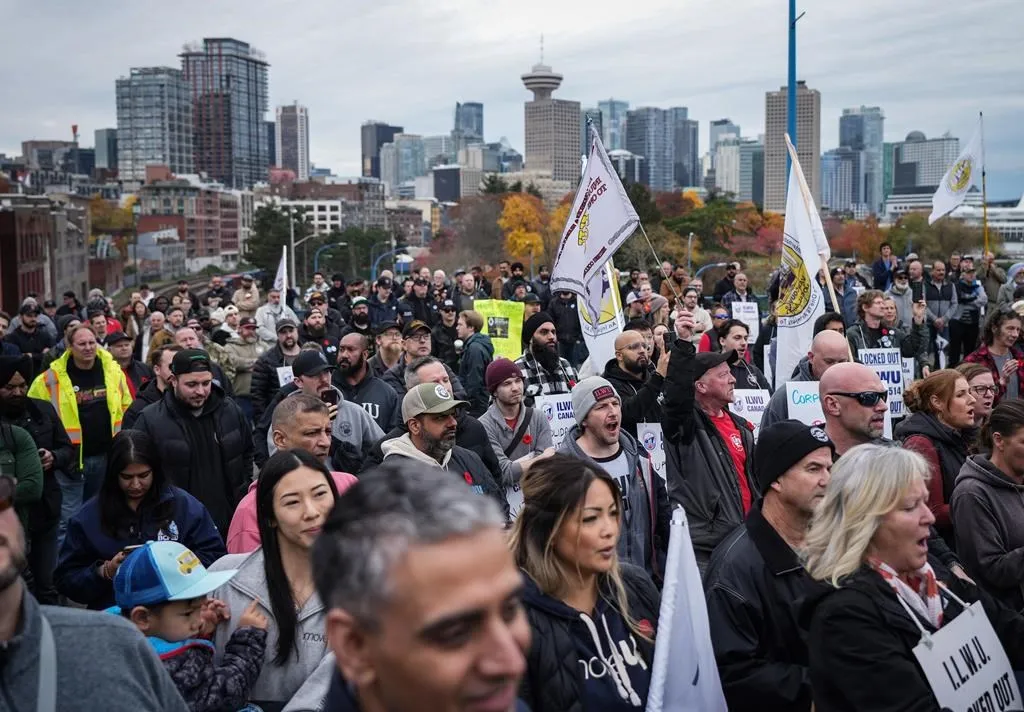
point(828, 348)
point(358, 385)
point(383, 304)
point(544, 371)
point(942, 415)
point(477, 354)
point(136, 373)
point(405, 548)
point(638, 386)
point(563, 312)
point(964, 324)
point(983, 388)
point(136, 503)
point(581, 601)
point(246, 297)
point(160, 363)
point(867, 542)
point(1000, 354)
point(29, 336)
point(238, 359)
point(870, 333)
point(445, 333)
point(388, 343)
point(201, 437)
point(883, 268)
point(415, 344)
point(725, 284)
point(274, 367)
point(755, 581)
point(268, 315)
point(732, 336)
point(701, 316)
point(709, 342)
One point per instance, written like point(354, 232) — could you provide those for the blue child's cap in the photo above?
point(162, 571)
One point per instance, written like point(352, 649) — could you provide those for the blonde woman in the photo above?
point(868, 540)
point(592, 618)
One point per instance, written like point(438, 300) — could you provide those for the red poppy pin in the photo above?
point(467, 477)
point(527, 439)
point(644, 626)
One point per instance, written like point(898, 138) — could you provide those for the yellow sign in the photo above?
point(795, 287)
point(503, 322)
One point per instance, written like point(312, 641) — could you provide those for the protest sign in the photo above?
point(558, 410)
point(503, 323)
point(888, 364)
point(653, 440)
point(805, 405)
point(750, 403)
point(747, 313)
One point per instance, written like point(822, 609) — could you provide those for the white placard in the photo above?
point(909, 367)
point(747, 313)
point(750, 403)
point(805, 405)
point(888, 364)
point(558, 410)
point(652, 438)
point(967, 667)
point(285, 375)
point(514, 497)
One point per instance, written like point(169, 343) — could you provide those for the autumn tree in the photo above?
point(556, 226)
point(643, 203)
point(523, 221)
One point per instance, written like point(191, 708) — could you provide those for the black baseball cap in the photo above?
point(447, 305)
point(116, 337)
point(386, 326)
point(246, 321)
point(414, 326)
point(704, 362)
point(286, 324)
point(837, 270)
point(531, 298)
point(49, 303)
point(420, 282)
point(29, 308)
point(310, 363)
point(384, 282)
point(190, 361)
point(900, 272)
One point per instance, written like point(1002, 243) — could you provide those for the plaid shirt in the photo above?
point(534, 374)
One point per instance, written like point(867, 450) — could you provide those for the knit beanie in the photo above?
point(498, 371)
point(784, 444)
point(534, 323)
point(588, 393)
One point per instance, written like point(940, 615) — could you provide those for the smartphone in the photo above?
point(330, 396)
point(917, 291)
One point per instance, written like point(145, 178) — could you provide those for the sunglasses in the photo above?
point(8, 486)
point(868, 399)
point(719, 316)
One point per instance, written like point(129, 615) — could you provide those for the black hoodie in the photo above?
point(639, 397)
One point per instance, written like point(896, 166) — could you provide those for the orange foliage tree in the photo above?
point(524, 221)
point(860, 237)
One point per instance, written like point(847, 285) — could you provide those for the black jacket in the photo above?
point(209, 456)
point(755, 587)
point(639, 398)
point(374, 396)
point(567, 320)
point(395, 377)
point(442, 344)
point(554, 679)
point(423, 309)
point(138, 375)
point(698, 468)
point(148, 395)
point(477, 354)
point(206, 687)
point(265, 383)
point(861, 643)
point(44, 425)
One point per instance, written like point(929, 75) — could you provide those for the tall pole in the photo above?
point(291, 250)
point(984, 192)
point(791, 85)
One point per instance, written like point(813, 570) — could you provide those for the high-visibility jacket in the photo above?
point(54, 385)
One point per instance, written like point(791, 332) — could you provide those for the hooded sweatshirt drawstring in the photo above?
point(616, 667)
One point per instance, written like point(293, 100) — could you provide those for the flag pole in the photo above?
point(984, 192)
point(658, 260)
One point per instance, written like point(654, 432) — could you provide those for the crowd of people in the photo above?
point(342, 498)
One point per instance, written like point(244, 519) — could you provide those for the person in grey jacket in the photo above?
point(827, 349)
point(598, 438)
point(516, 446)
point(101, 662)
point(1004, 297)
point(987, 507)
point(902, 294)
point(870, 333)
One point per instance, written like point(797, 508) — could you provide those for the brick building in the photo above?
point(26, 229)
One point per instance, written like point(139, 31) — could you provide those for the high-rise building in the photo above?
point(887, 169)
point(375, 134)
point(719, 129)
point(402, 161)
point(552, 134)
point(613, 123)
point(438, 149)
point(630, 167)
point(727, 164)
point(154, 122)
point(106, 149)
point(469, 121)
point(751, 171)
point(597, 119)
point(862, 130)
point(839, 170)
point(650, 134)
point(271, 131)
point(292, 139)
point(808, 146)
point(686, 135)
point(919, 163)
point(229, 97)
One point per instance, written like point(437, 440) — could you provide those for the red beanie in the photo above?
point(499, 370)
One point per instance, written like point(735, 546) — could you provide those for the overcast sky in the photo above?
point(930, 64)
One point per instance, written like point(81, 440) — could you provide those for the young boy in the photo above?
point(162, 588)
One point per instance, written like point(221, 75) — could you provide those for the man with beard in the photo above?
point(354, 379)
point(467, 294)
point(99, 661)
point(240, 356)
point(218, 294)
point(316, 329)
point(388, 339)
point(544, 371)
point(59, 460)
point(317, 300)
point(160, 362)
point(725, 284)
point(499, 282)
point(202, 438)
point(269, 314)
point(599, 440)
point(755, 582)
point(174, 320)
point(419, 302)
point(444, 334)
point(483, 285)
point(359, 321)
point(274, 364)
point(542, 286)
point(672, 285)
point(518, 277)
point(30, 337)
point(188, 338)
point(246, 297)
point(429, 412)
point(637, 386)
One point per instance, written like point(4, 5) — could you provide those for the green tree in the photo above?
point(643, 204)
point(534, 191)
point(270, 233)
point(713, 223)
point(493, 184)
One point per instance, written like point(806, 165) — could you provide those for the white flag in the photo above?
point(804, 251)
point(683, 643)
point(601, 219)
point(600, 335)
point(281, 278)
point(964, 173)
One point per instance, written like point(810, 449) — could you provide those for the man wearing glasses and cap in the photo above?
point(420, 303)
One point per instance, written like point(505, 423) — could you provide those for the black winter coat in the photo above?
point(374, 396)
point(639, 398)
point(553, 681)
point(218, 479)
point(567, 320)
point(265, 383)
point(206, 687)
point(148, 395)
point(395, 377)
point(442, 344)
point(44, 425)
point(755, 587)
point(861, 643)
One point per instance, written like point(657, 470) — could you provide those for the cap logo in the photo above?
point(819, 435)
point(603, 392)
point(442, 392)
point(187, 562)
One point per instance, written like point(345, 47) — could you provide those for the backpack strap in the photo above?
point(46, 699)
point(520, 431)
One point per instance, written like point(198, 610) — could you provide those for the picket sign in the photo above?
point(805, 405)
point(558, 410)
point(888, 364)
point(514, 497)
point(747, 313)
point(653, 440)
point(909, 367)
point(750, 403)
point(285, 375)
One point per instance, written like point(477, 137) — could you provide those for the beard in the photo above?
point(361, 319)
point(547, 356)
point(352, 368)
point(11, 574)
point(437, 448)
point(638, 367)
point(14, 406)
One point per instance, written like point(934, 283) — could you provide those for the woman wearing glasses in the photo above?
point(709, 341)
point(999, 353)
point(983, 388)
point(939, 428)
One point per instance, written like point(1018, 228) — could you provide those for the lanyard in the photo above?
point(46, 700)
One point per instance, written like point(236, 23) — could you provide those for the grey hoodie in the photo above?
point(500, 435)
point(353, 428)
point(778, 406)
point(643, 541)
point(305, 677)
point(987, 508)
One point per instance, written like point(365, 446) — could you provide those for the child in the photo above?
point(162, 588)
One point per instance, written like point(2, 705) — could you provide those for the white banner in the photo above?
point(888, 364)
point(805, 405)
point(909, 368)
point(558, 410)
point(804, 251)
point(600, 337)
point(281, 278)
point(601, 219)
point(750, 403)
point(748, 313)
point(653, 441)
point(965, 172)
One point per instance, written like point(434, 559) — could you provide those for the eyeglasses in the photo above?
point(422, 338)
point(984, 390)
point(8, 486)
point(719, 316)
point(638, 346)
point(868, 399)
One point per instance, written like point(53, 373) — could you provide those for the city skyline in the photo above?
point(678, 56)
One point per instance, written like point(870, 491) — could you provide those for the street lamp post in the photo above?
point(376, 263)
point(316, 255)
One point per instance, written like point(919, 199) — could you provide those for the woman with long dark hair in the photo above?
point(592, 617)
point(1000, 354)
point(294, 495)
point(135, 504)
